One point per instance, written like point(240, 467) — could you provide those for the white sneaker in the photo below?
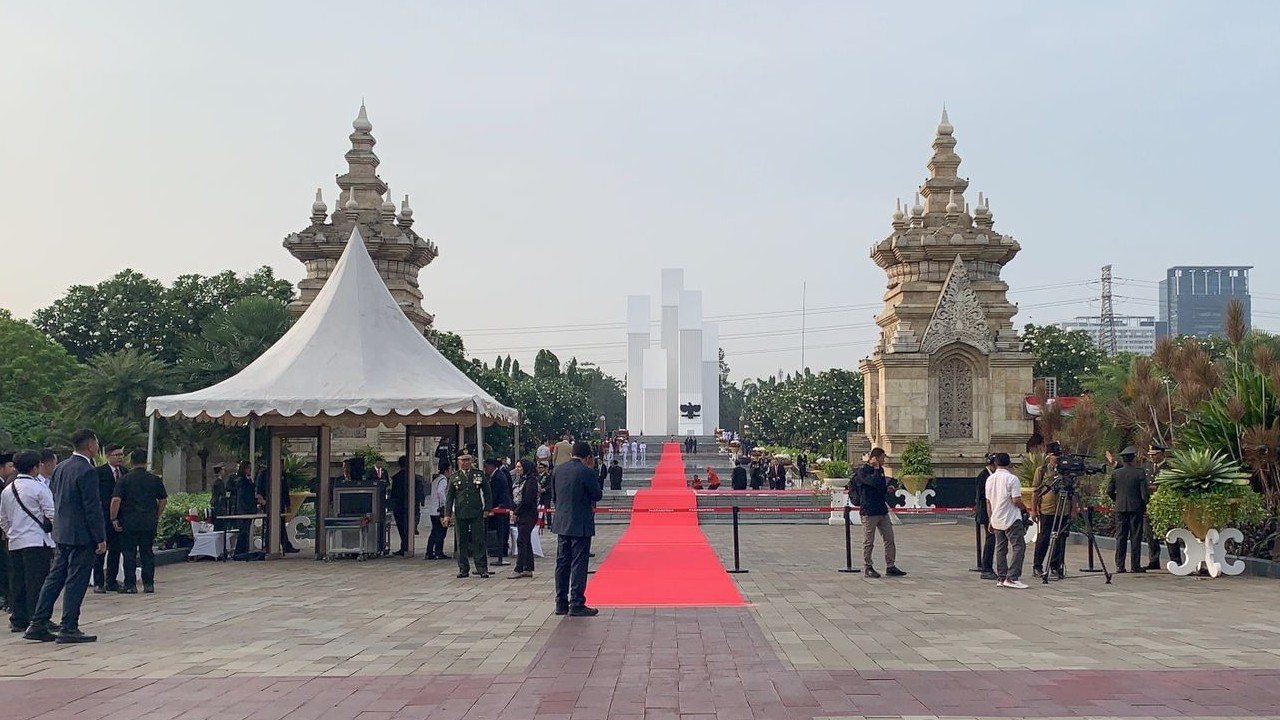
point(1000, 583)
point(1015, 584)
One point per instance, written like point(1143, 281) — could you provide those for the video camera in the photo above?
point(1074, 466)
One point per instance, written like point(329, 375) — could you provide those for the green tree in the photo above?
point(117, 385)
point(731, 398)
point(232, 339)
point(546, 365)
point(33, 371)
point(131, 311)
point(1066, 355)
point(804, 410)
point(553, 406)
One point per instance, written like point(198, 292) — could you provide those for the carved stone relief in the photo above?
point(959, 316)
point(955, 399)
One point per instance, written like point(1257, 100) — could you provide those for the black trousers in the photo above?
point(1129, 539)
point(572, 554)
point(68, 577)
point(401, 516)
point(988, 550)
point(501, 524)
point(138, 545)
point(1056, 558)
point(106, 568)
point(28, 568)
point(524, 546)
point(244, 536)
point(435, 541)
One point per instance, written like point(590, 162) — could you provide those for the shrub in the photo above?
point(1195, 472)
point(836, 469)
point(917, 459)
point(173, 526)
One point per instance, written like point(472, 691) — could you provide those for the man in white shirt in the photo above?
point(544, 452)
point(1005, 508)
point(48, 461)
point(638, 451)
point(30, 547)
point(439, 488)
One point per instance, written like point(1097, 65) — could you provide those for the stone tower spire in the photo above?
point(949, 366)
point(398, 252)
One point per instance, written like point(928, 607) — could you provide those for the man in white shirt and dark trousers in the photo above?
point(26, 508)
point(1005, 508)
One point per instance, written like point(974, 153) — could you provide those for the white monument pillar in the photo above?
point(637, 342)
point(672, 289)
point(655, 394)
point(690, 389)
point(710, 377)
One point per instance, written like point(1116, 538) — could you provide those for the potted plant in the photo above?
point(1201, 489)
point(1026, 472)
point(917, 466)
point(293, 471)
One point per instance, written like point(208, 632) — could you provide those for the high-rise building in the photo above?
point(1134, 333)
point(1193, 299)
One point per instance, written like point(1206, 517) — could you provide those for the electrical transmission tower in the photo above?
point(1107, 323)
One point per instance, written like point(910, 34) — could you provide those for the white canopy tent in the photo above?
point(352, 358)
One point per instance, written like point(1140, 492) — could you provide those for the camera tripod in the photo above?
point(1066, 492)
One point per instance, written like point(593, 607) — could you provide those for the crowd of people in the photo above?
point(70, 524)
point(1006, 517)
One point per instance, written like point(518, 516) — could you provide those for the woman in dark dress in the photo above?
point(526, 493)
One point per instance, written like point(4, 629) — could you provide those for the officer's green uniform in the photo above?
point(467, 499)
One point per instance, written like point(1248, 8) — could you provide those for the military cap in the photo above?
point(1157, 448)
point(1129, 450)
point(465, 456)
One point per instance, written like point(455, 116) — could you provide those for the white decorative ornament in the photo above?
point(916, 501)
point(958, 316)
point(292, 529)
point(1210, 552)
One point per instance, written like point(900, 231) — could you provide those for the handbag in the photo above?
point(45, 524)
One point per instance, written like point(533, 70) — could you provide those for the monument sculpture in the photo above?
point(673, 388)
point(364, 201)
point(948, 367)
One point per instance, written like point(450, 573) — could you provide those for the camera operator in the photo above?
point(984, 520)
point(1044, 510)
point(1128, 490)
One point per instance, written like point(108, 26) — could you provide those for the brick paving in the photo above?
point(405, 639)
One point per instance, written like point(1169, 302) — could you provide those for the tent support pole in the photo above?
point(322, 502)
point(410, 487)
point(515, 444)
point(479, 439)
point(151, 442)
point(275, 497)
point(253, 449)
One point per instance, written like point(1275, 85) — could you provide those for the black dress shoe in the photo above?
point(484, 574)
point(893, 571)
point(114, 587)
point(128, 590)
point(98, 589)
point(1153, 565)
point(499, 562)
point(1121, 571)
point(74, 637)
point(462, 575)
point(562, 610)
point(149, 589)
point(400, 553)
point(17, 628)
point(442, 556)
point(41, 634)
point(291, 550)
point(583, 611)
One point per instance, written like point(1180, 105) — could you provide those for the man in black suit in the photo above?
point(739, 478)
point(106, 568)
point(399, 502)
point(139, 501)
point(1128, 490)
point(79, 531)
point(984, 520)
point(500, 523)
point(575, 492)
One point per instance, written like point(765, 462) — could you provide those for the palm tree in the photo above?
point(117, 385)
point(234, 338)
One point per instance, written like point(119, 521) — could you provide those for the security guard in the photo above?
point(467, 503)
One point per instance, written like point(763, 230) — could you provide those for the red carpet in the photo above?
point(663, 559)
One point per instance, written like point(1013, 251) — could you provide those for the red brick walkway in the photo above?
point(698, 664)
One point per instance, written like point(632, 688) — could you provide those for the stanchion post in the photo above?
point(737, 568)
point(848, 543)
point(1088, 534)
point(977, 542)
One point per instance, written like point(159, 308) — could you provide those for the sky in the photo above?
point(561, 154)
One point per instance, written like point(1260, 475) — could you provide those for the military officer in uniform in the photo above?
point(466, 504)
point(1154, 464)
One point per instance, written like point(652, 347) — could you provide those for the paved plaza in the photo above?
point(398, 638)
